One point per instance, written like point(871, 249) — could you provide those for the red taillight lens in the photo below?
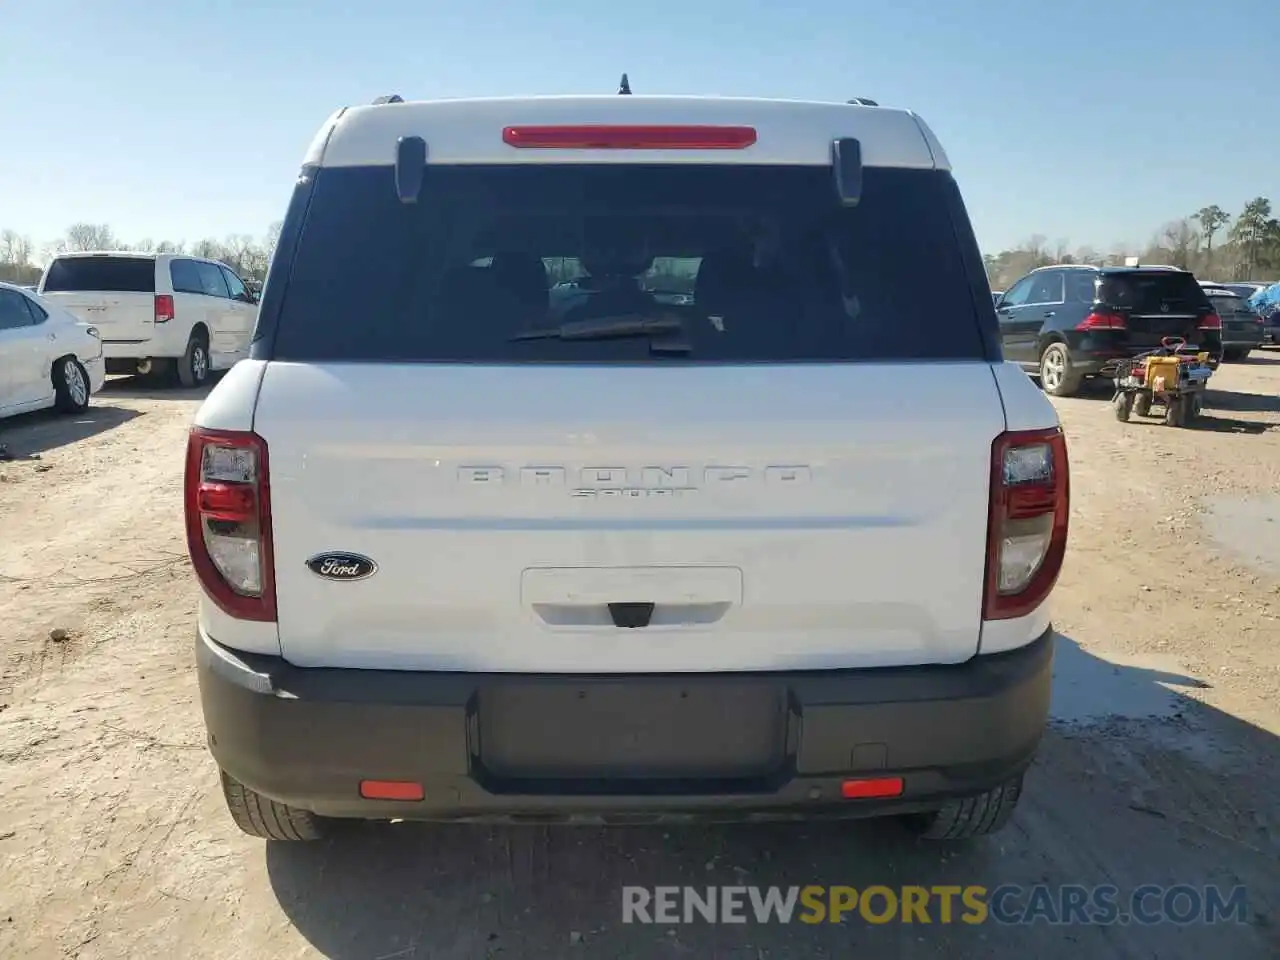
point(1211, 322)
point(1102, 321)
point(164, 307)
point(1027, 522)
point(228, 514)
point(613, 137)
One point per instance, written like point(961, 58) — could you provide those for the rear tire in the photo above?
point(193, 365)
point(1142, 405)
point(1234, 355)
point(70, 386)
point(1123, 405)
point(1174, 412)
point(968, 817)
point(258, 816)
point(1057, 377)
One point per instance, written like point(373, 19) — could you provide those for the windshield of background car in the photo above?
point(758, 263)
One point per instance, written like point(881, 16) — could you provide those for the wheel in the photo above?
point(259, 817)
point(1057, 377)
point(1174, 412)
point(193, 366)
point(1190, 409)
point(1234, 355)
point(1123, 404)
point(70, 386)
point(1142, 404)
point(969, 816)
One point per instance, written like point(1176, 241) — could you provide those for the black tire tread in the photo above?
point(183, 365)
point(62, 401)
point(1071, 381)
point(971, 817)
point(261, 817)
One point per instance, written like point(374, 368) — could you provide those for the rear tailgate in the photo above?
point(797, 478)
point(777, 517)
point(114, 293)
point(1157, 304)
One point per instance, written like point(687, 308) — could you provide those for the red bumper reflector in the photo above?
point(868, 789)
point(601, 136)
point(391, 790)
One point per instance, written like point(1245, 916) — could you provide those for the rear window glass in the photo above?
point(101, 274)
point(746, 263)
point(1159, 291)
point(1228, 304)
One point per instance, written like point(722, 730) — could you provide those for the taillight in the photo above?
point(1211, 321)
point(1027, 523)
point(601, 136)
point(1101, 320)
point(164, 307)
point(228, 512)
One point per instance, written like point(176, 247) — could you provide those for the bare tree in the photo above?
point(208, 248)
point(1180, 238)
point(89, 236)
point(15, 249)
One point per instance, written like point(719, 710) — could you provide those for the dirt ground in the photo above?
point(1161, 766)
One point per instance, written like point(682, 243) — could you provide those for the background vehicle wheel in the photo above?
point(193, 366)
point(70, 386)
point(260, 817)
point(1123, 404)
point(1234, 355)
point(1057, 378)
point(968, 817)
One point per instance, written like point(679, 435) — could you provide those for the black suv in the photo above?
point(1066, 323)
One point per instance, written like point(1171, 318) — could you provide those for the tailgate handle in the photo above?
point(631, 615)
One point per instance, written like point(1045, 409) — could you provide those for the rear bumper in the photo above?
point(491, 746)
point(1233, 339)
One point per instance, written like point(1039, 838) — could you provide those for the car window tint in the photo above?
point(1047, 288)
point(13, 310)
point(760, 264)
point(212, 282)
point(185, 276)
point(101, 274)
point(1017, 295)
point(234, 284)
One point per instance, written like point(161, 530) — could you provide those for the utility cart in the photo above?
point(1173, 377)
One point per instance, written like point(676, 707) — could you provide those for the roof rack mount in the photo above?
point(389, 98)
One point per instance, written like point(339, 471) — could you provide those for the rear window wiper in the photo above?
point(605, 328)
point(663, 331)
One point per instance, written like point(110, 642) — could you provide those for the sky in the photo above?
point(1090, 122)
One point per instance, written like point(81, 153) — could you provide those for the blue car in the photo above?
point(1267, 303)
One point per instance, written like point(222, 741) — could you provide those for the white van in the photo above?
point(165, 313)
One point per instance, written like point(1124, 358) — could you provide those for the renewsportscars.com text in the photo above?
point(1008, 904)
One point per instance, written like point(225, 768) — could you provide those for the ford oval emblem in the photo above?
point(342, 566)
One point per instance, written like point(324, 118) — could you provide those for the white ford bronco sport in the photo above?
point(601, 458)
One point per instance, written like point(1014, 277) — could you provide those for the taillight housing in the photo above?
point(1211, 321)
point(227, 500)
point(164, 308)
point(1103, 320)
point(1027, 521)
